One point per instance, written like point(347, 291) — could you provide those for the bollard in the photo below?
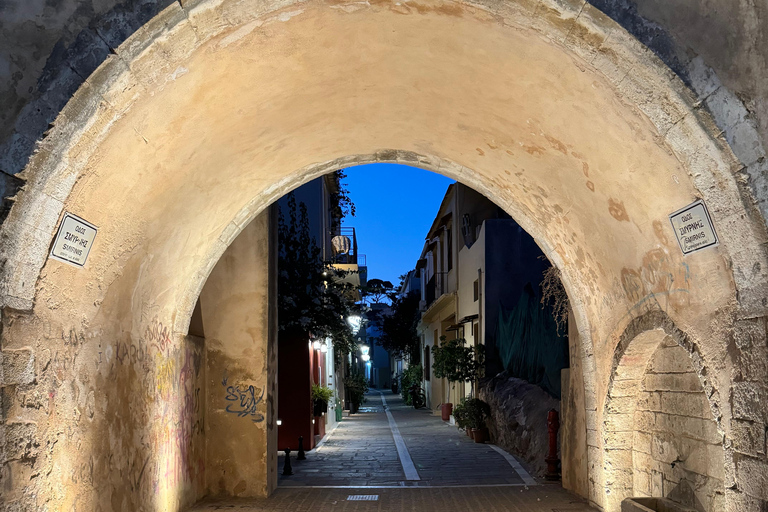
point(301, 455)
point(287, 469)
point(553, 424)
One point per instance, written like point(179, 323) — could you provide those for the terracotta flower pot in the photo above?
point(447, 410)
point(480, 435)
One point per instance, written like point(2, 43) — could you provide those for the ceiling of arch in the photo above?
point(523, 120)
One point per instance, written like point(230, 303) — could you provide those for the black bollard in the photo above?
point(301, 455)
point(287, 469)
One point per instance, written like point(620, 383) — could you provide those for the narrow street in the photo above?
point(392, 457)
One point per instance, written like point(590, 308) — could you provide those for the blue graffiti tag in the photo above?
point(246, 401)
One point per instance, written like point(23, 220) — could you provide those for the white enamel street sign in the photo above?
point(693, 227)
point(73, 241)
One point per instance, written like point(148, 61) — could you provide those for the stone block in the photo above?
point(672, 382)
point(19, 441)
point(642, 481)
point(749, 400)
point(18, 367)
point(621, 405)
point(748, 437)
point(671, 360)
point(752, 475)
point(641, 442)
point(686, 404)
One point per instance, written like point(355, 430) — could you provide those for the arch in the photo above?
point(640, 340)
point(591, 173)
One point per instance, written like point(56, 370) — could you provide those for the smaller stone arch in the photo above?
point(662, 428)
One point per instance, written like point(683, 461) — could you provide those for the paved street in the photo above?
point(435, 467)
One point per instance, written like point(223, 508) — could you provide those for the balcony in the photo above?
point(436, 287)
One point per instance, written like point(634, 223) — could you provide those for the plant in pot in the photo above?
point(321, 395)
point(357, 386)
point(456, 362)
point(460, 415)
point(477, 412)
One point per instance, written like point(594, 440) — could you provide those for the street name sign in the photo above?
point(73, 241)
point(693, 227)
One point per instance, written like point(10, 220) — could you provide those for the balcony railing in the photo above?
point(344, 242)
point(436, 286)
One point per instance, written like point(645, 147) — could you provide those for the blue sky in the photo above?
point(395, 205)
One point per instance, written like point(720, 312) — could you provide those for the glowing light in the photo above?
point(279, 422)
point(323, 348)
point(366, 357)
point(355, 322)
point(316, 344)
point(368, 363)
point(313, 421)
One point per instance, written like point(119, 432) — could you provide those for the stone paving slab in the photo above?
point(361, 452)
point(539, 498)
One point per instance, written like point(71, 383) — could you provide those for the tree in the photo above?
point(399, 335)
point(310, 299)
point(376, 290)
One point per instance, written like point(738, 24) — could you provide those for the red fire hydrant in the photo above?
point(553, 424)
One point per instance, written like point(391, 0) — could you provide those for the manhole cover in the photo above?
point(363, 497)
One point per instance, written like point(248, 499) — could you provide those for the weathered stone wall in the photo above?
point(573, 421)
point(241, 366)
point(677, 451)
point(97, 419)
point(519, 418)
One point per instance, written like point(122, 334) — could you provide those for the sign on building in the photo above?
point(73, 241)
point(693, 227)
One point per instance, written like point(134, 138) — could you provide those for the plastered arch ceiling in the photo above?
point(224, 113)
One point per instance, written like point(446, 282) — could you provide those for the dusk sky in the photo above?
point(396, 205)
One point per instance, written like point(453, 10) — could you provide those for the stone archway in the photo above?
point(210, 113)
point(663, 433)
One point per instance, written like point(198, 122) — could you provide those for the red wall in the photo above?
point(294, 387)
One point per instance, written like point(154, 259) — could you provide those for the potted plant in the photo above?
point(477, 411)
point(321, 395)
point(460, 415)
point(357, 386)
point(456, 363)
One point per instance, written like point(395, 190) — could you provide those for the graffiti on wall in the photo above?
point(658, 276)
point(244, 400)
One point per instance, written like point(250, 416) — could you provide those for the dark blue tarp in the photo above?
point(528, 343)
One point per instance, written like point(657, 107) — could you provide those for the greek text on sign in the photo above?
point(73, 241)
point(693, 227)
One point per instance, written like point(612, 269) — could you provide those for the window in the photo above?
point(449, 244)
point(476, 287)
point(427, 368)
point(476, 332)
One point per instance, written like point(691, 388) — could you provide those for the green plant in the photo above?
point(476, 412)
point(321, 393)
point(357, 387)
point(460, 414)
point(455, 362)
point(410, 376)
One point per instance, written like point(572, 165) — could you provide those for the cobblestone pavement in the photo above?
point(360, 460)
point(361, 451)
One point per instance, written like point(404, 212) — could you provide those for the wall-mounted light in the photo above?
point(316, 344)
point(313, 421)
point(366, 357)
point(279, 422)
point(364, 349)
